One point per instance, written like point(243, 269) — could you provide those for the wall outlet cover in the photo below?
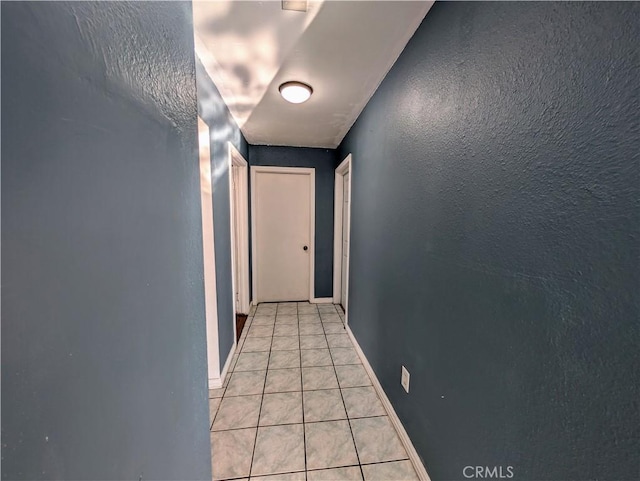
point(404, 380)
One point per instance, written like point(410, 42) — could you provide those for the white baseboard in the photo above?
point(393, 417)
point(322, 300)
point(227, 364)
point(215, 383)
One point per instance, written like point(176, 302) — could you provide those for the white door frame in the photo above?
point(312, 223)
point(209, 256)
point(239, 206)
point(341, 171)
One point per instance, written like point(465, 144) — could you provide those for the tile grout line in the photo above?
point(295, 424)
point(264, 386)
point(355, 446)
point(304, 422)
point(323, 469)
point(304, 426)
point(386, 415)
point(232, 369)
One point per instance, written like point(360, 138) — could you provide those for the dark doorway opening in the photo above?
point(240, 321)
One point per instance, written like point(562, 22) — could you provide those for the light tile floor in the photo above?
point(297, 404)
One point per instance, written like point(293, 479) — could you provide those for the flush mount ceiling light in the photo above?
point(295, 92)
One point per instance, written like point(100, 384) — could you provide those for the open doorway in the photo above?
point(239, 217)
point(342, 235)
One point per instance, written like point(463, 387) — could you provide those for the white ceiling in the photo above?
point(343, 49)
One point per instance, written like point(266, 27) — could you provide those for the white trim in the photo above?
point(322, 300)
point(393, 417)
point(208, 253)
point(341, 170)
point(227, 363)
point(254, 169)
point(215, 383)
point(240, 193)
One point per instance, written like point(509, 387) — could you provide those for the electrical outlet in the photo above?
point(404, 380)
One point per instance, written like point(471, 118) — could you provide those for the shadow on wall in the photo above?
point(264, 46)
point(222, 126)
point(222, 129)
point(125, 58)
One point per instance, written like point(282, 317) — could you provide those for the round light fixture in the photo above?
point(295, 92)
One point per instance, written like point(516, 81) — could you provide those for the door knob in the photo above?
point(305, 248)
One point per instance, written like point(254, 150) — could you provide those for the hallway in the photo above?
point(298, 404)
point(471, 194)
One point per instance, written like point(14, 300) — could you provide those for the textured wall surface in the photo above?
point(323, 160)
point(495, 238)
point(103, 329)
point(222, 129)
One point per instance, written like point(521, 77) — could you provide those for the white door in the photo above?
point(345, 238)
point(283, 233)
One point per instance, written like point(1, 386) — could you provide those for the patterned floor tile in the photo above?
point(352, 375)
point(394, 471)
point(237, 412)
point(377, 440)
point(231, 453)
point(362, 402)
point(279, 449)
point(323, 405)
point(281, 408)
point(329, 444)
point(314, 378)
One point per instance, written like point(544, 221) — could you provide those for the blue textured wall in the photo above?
point(222, 129)
point(323, 160)
point(103, 328)
point(495, 238)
